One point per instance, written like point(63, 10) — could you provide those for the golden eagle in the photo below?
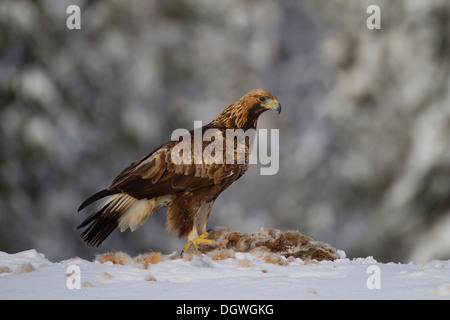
point(185, 180)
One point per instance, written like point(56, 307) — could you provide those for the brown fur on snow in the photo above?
point(285, 243)
point(270, 244)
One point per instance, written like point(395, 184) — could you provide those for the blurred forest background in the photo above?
point(364, 132)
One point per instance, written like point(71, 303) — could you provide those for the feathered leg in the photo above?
point(201, 219)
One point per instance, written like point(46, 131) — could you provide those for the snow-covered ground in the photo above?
point(29, 275)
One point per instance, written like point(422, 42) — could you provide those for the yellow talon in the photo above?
point(196, 241)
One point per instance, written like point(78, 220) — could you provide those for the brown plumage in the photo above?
point(188, 188)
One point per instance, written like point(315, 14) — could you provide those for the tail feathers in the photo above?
point(99, 229)
point(95, 197)
point(105, 219)
point(119, 210)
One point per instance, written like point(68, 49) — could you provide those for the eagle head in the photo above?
point(244, 113)
point(262, 100)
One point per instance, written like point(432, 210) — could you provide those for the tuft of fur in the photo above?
point(4, 269)
point(144, 259)
point(244, 263)
point(23, 268)
point(275, 259)
point(26, 267)
point(115, 257)
point(222, 254)
point(106, 275)
point(86, 284)
point(150, 278)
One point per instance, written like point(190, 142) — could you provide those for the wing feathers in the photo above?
point(153, 182)
point(159, 173)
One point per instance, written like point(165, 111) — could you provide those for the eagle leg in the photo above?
point(196, 241)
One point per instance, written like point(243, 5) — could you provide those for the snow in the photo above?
point(29, 275)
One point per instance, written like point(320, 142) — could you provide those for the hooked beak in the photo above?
point(275, 105)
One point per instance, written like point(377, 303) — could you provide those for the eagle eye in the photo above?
point(262, 98)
